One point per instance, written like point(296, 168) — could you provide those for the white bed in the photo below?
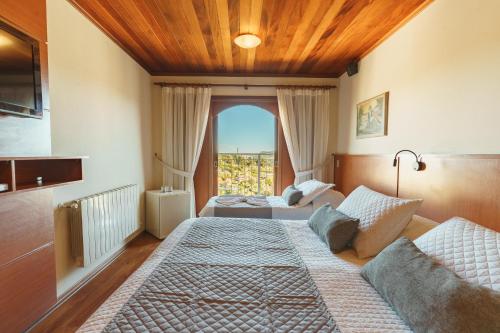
point(278, 207)
point(353, 303)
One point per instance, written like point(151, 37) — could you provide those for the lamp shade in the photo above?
point(247, 41)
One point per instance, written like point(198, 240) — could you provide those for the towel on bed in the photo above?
point(257, 200)
point(230, 200)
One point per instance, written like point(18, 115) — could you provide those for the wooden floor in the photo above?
point(70, 315)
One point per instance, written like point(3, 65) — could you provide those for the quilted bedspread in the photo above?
point(228, 275)
point(244, 275)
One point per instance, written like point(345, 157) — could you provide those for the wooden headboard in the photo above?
point(451, 185)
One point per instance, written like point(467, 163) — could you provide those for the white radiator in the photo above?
point(102, 222)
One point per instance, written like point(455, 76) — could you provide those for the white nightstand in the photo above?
point(164, 211)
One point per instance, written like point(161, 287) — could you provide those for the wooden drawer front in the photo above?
point(27, 289)
point(26, 223)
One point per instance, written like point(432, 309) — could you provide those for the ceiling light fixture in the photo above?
point(247, 41)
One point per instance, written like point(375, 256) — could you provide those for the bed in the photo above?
point(330, 289)
point(276, 209)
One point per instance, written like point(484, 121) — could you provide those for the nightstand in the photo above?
point(164, 211)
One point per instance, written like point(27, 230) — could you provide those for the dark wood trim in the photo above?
point(253, 100)
point(29, 158)
point(246, 86)
point(242, 74)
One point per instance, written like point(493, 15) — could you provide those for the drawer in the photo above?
point(27, 289)
point(26, 223)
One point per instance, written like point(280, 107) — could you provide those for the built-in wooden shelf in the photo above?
point(21, 173)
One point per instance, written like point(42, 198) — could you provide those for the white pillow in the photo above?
point(332, 197)
point(310, 190)
point(381, 218)
point(470, 250)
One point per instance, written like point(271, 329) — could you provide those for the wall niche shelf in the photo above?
point(20, 173)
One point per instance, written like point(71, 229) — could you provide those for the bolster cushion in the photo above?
point(291, 195)
point(333, 228)
point(428, 296)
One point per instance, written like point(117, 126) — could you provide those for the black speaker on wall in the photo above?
point(352, 68)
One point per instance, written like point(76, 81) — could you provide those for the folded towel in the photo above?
point(230, 200)
point(257, 201)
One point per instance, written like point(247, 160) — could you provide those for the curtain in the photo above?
point(305, 118)
point(185, 116)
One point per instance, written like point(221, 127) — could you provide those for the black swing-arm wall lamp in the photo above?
point(417, 165)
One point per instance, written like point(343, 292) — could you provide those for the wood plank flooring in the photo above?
point(70, 315)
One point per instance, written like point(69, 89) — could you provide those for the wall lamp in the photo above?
point(417, 165)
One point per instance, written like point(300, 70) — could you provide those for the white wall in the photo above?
point(236, 91)
point(442, 70)
point(100, 107)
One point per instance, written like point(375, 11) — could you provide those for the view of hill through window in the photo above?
point(246, 151)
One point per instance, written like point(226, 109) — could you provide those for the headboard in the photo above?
point(451, 185)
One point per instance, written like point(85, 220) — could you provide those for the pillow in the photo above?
point(310, 190)
point(381, 218)
point(470, 250)
point(334, 198)
point(333, 228)
point(291, 195)
point(428, 296)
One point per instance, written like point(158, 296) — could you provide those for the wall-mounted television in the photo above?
point(20, 79)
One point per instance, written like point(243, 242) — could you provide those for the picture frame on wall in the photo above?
point(371, 117)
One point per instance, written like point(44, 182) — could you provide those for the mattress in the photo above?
point(278, 206)
point(354, 305)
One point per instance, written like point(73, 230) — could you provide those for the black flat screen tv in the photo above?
point(20, 79)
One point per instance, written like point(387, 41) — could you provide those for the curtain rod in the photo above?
point(245, 86)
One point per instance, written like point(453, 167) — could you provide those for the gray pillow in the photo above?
point(291, 195)
point(333, 228)
point(428, 296)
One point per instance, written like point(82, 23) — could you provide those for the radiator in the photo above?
point(102, 222)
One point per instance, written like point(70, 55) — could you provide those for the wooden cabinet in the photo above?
point(27, 261)
point(26, 223)
point(28, 289)
point(21, 173)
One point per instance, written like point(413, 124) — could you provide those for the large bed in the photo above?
point(330, 288)
point(276, 208)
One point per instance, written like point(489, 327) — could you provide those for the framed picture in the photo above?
point(371, 117)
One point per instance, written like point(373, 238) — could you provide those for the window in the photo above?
point(246, 151)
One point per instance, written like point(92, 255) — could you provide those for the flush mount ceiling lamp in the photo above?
point(247, 41)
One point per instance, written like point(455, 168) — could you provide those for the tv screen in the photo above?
point(20, 89)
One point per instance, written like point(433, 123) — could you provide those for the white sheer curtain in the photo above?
point(305, 117)
point(185, 116)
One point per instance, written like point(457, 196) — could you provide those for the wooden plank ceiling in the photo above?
point(299, 37)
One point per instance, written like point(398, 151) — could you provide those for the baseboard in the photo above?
point(80, 284)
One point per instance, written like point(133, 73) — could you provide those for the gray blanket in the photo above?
point(228, 275)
